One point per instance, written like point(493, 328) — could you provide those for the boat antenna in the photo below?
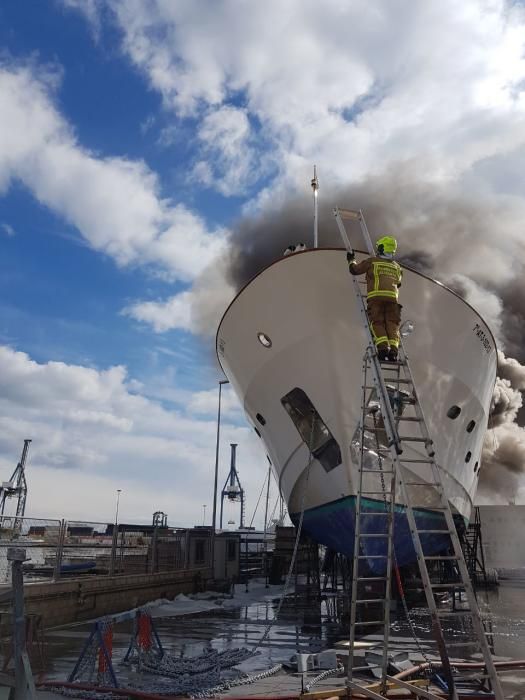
point(315, 188)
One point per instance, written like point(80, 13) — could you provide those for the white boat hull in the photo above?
point(305, 305)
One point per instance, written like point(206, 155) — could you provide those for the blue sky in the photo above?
point(134, 135)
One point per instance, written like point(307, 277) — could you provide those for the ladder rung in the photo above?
point(459, 584)
point(419, 483)
point(407, 438)
point(399, 380)
point(434, 532)
point(409, 418)
point(371, 578)
point(370, 600)
point(371, 622)
point(376, 471)
point(372, 556)
point(443, 508)
point(466, 643)
point(417, 461)
point(374, 493)
point(454, 613)
point(392, 365)
point(371, 512)
point(365, 668)
point(436, 558)
point(373, 534)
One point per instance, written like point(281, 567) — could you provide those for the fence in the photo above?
point(65, 548)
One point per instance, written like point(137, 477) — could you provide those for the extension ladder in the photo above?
point(396, 426)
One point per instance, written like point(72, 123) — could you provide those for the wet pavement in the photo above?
point(304, 625)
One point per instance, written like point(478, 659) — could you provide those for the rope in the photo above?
point(258, 500)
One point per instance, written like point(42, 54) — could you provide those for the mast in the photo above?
point(315, 188)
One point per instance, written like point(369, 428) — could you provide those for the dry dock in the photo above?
point(304, 626)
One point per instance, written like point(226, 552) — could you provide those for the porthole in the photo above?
point(468, 456)
point(264, 340)
point(453, 412)
point(258, 433)
point(261, 419)
point(471, 426)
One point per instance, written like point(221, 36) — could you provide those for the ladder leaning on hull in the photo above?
point(402, 426)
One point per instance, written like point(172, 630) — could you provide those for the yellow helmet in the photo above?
point(388, 244)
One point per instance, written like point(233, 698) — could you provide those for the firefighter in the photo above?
point(383, 278)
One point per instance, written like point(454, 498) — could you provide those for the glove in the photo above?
point(350, 256)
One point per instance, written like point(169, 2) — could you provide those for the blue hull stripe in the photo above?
point(332, 525)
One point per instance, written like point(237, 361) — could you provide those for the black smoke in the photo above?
point(471, 244)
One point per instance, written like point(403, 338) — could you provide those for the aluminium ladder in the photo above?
point(403, 429)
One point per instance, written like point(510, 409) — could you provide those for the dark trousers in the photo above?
point(385, 318)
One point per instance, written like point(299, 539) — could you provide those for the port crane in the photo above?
point(16, 487)
point(232, 489)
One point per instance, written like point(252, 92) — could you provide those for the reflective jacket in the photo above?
point(383, 277)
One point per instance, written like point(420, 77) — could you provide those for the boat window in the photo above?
point(468, 456)
point(312, 429)
point(471, 426)
point(476, 467)
point(261, 419)
point(264, 340)
point(453, 412)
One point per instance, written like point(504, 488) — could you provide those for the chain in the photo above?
point(322, 676)
point(210, 692)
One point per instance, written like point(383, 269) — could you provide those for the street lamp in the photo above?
point(119, 491)
point(214, 518)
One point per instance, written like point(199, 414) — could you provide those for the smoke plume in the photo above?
point(472, 244)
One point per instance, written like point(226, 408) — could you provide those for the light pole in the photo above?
point(119, 491)
point(113, 559)
point(214, 517)
point(204, 513)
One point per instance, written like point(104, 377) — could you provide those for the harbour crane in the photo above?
point(16, 487)
point(232, 489)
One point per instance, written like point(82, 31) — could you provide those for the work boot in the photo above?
point(392, 355)
point(382, 354)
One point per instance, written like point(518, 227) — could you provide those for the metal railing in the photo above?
point(57, 549)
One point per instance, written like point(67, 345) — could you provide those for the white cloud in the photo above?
point(206, 402)
point(443, 84)
point(197, 310)
point(115, 203)
point(174, 312)
point(229, 151)
point(436, 89)
point(7, 229)
point(93, 433)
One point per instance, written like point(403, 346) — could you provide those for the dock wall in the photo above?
point(75, 600)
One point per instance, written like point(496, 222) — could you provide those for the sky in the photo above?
point(134, 136)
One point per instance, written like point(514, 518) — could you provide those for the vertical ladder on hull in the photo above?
point(413, 480)
point(372, 526)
